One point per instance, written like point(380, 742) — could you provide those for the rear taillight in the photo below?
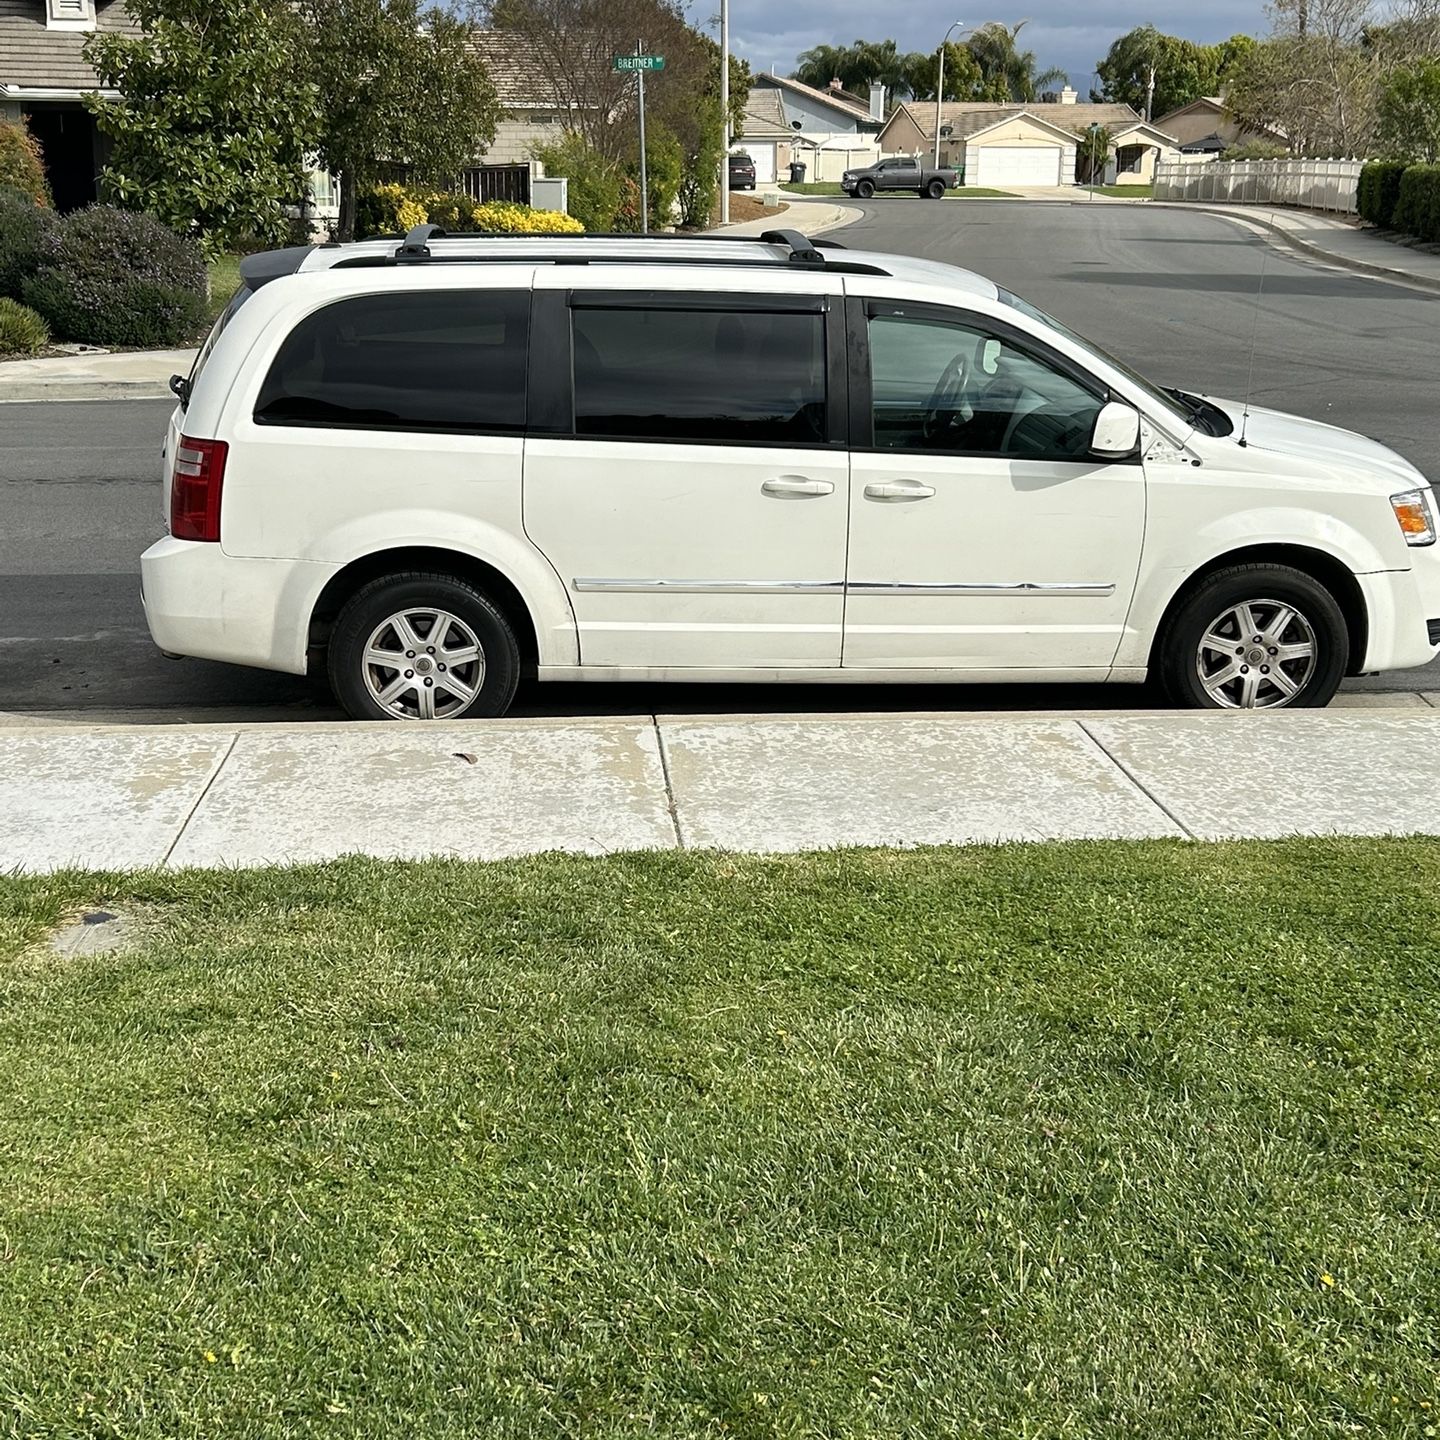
point(195, 485)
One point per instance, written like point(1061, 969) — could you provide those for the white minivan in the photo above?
point(433, 467)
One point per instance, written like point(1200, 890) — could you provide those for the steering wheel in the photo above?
point(948, 404)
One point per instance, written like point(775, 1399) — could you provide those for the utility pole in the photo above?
point(940, 87)
point(644, 177)
point(725, 111)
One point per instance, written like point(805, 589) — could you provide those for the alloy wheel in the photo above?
point(1256, 655)
point(424, 664)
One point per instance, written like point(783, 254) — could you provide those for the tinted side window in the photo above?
point(434, 361)
point(747, 378)
point(952, 388)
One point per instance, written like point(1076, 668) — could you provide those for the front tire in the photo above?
point(1254, 637)
point(423, 647)
point(865, 189)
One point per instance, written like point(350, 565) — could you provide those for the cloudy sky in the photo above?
point(1066, 33)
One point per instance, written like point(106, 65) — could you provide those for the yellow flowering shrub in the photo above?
point(501, 217)
point(394, 209)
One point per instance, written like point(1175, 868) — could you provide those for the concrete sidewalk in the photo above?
point(126, 375)
point(215, 795)
point(1350, 246)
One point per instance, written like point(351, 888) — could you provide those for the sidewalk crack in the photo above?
point(1144, 789)
point(200, 798)
point(669, 786)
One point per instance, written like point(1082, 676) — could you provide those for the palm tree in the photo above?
point(1009, 71)
point(858, 66)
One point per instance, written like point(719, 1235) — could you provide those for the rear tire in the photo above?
point(1254, 636)
point(865, 189)
point(936, 189)
point(423, 647)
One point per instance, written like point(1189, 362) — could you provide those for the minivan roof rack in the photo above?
point(416, 246)
point(803, 250)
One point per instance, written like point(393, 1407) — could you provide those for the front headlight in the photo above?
point(1416, 516)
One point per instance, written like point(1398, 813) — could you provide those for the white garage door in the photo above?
point(764, 158)
point(1002, 165)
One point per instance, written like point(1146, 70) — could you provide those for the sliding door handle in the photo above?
point(899, 490)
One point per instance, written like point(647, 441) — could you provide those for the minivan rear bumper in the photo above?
point(204, 603)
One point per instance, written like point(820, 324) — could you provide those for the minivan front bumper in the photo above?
point(204, 603)
point(1400, 605)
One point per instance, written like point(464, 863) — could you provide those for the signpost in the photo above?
point(639, 63)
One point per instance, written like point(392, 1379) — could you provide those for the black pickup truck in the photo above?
point(899, 172)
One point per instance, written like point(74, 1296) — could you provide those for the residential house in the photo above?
point(829, 131)
point(1206, 127)
point(43, 77)
point(1026, 145)
point(532, 112)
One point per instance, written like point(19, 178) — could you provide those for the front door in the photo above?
point(982, 534)
point(696, 512)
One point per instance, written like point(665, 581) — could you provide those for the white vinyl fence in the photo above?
point(1310, 184)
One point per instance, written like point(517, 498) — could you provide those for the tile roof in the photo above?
point(35, 58)
point(1074, 118)
point(765, 117)
point(509, 57)
point(853, 105)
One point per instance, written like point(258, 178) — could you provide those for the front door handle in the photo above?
point(899, 490)
point(784, 485)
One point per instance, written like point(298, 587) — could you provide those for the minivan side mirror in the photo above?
point(1117, 432)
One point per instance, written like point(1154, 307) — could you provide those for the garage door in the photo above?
point(764, 158)
point(1002, 165)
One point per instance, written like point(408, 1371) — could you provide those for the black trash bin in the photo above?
point(797, 172)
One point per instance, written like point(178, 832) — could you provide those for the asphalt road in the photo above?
point(1175, 293)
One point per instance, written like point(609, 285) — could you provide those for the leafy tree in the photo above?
point(1183, 71)
point(1009, 72)
point(1095, 146)
point(573, 44)
point(963, 78)
point(213, 123)
point(396, 85)
point(1410, 112)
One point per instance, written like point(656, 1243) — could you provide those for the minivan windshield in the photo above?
point(1164, 399)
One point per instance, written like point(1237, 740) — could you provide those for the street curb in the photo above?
point(1306, 247)
point(14, 723)
point(47, 390)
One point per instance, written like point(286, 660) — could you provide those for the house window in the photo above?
point(543, 117)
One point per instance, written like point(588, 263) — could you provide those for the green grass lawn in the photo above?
point(224, 281)
point(1079, 1140)
point(1123, 192)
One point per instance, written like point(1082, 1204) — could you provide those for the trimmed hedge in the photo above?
point(1417, 209)
point(1379, 190)
point(20, 164)
point(23, 227)
point(22, 331)
point(118, 277)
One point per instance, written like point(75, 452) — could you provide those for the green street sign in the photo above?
point(639, 62)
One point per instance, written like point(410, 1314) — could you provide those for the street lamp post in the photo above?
point(940, 87)
point(725, 111)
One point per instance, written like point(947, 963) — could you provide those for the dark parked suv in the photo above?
point(742, 172)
